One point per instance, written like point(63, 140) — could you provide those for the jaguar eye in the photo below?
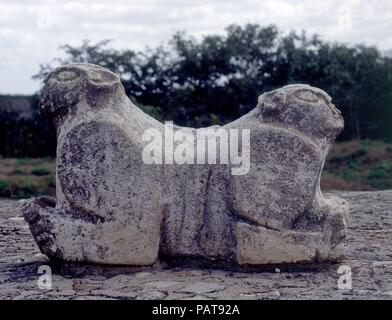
point(306, 95)
point(101, 77)
point(67, 76)
point(95, 76)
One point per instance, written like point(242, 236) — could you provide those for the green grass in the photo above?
point(27, 177)
point(358, 165)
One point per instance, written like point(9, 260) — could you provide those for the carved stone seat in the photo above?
point(112, 207)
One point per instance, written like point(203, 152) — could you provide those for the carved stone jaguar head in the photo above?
point(69, 85)
point(303, 108)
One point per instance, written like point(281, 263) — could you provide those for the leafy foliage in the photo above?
point(358, 165)
point(218, 78)
point(26, 135)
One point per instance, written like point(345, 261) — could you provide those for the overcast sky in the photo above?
point(32, 30)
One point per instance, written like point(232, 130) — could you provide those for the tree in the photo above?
point(218, 78)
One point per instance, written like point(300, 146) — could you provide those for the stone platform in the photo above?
point(368, 254)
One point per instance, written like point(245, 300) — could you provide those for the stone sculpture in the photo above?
point(113, 208)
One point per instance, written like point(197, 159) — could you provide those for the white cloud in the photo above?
point(31, 31)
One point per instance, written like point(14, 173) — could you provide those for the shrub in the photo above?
point(337, 158)
point(7, 187)
point(382, 171)
point(4, 192)
point(40, 171)
point(358, 153)
point(51, 180)
point(380, 177)
point(389, 149)
point(18, 170)
point(25, 188)
point(351, 157)
point(348, 174)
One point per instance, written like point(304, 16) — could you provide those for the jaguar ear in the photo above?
point(271, 103)
point(62, 90)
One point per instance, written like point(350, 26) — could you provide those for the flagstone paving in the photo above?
point(368, 254)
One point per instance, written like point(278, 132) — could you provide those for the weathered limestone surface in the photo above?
point(368, 251)
point(113, 208)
